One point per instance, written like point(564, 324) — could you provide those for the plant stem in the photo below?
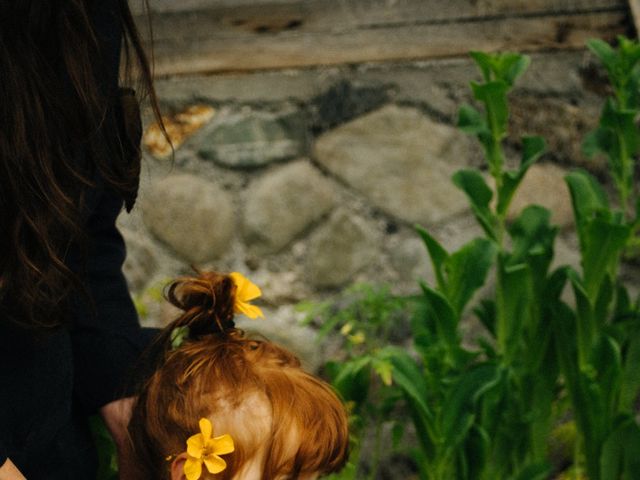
point(376, 451)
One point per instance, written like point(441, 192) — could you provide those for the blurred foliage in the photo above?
point(491, 411)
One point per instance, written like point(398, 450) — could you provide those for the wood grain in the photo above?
point(224, 35)
point(384, 7)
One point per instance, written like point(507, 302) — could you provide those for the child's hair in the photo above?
point(290, 422)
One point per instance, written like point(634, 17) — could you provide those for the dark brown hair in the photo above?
point(59, 135)
point(253, 390)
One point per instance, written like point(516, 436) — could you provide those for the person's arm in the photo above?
point(8, 471)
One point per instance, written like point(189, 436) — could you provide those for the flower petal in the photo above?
point(249, 310)
point(195, 445)
point(206, 428)
point(245, 289)
point(223, 445)
point(192, 468)
point(214, 463)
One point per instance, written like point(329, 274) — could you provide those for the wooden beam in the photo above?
point(383, 7)
point(292, 48)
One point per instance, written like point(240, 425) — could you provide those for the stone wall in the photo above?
point(310, 180)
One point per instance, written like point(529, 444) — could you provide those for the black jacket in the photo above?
point(50, 382)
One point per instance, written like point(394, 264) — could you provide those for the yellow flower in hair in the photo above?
point(201, 448)
point(245, 292)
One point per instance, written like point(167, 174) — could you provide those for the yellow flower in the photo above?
point(357, 338)
point(201, 448)
point(245, 292)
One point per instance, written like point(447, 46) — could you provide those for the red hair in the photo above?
point(289, 421)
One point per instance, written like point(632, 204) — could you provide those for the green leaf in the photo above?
point(383, 369)
point(476, 451)
point(513, 305)
point(606, 358)
point(444, 317)
point(459, 412)
point(471, 121)
point(532, 235)
point(474, 185)
point(484, 62)
point(600, 140)
point(604, 52)
point(423, 327)
point(178, 336)
point(532, 239)
point(537, 471)
point(486, 313)
point(619, 458)
point(352, 380)
point(587, 197)
point(512, 66)
point(467, 271)
point(437, 253)
point(532, 149)
point(585, 323)
point(603, 244)
point(506, 66)
point(408, 377)
point(623, 123)
point(494, 97)
point(631, 373)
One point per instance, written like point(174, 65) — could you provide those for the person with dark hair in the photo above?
point(69, 160)
point(222, 405)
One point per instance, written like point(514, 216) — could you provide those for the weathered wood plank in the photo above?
point(383, 7)
point(288, 49)
point(271, 16)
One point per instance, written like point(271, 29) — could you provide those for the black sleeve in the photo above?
point(106, 336)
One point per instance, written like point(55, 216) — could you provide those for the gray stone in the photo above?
point(417, 85)
point(410, 259)
point(279, 288)
point(252, 87)
point(194, 217)
point(544, 185)
point(253, 139)
point(140, 263)
point(557, 73)
point(345, 100)
point(401, 161)
point(284, 203)
point(562, 125)
point(341, 248)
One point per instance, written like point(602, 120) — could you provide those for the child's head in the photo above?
point(285, 423)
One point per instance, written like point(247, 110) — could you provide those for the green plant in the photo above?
point(488, 412)
point(601, 368)
point(367, 319)
point(492, 416)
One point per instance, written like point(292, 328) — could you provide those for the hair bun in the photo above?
point(207, 302)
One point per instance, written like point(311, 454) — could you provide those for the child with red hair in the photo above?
point(224, 406)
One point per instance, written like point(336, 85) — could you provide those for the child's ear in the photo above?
point(177, 467)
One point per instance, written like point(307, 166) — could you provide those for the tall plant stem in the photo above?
point(376, 451)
